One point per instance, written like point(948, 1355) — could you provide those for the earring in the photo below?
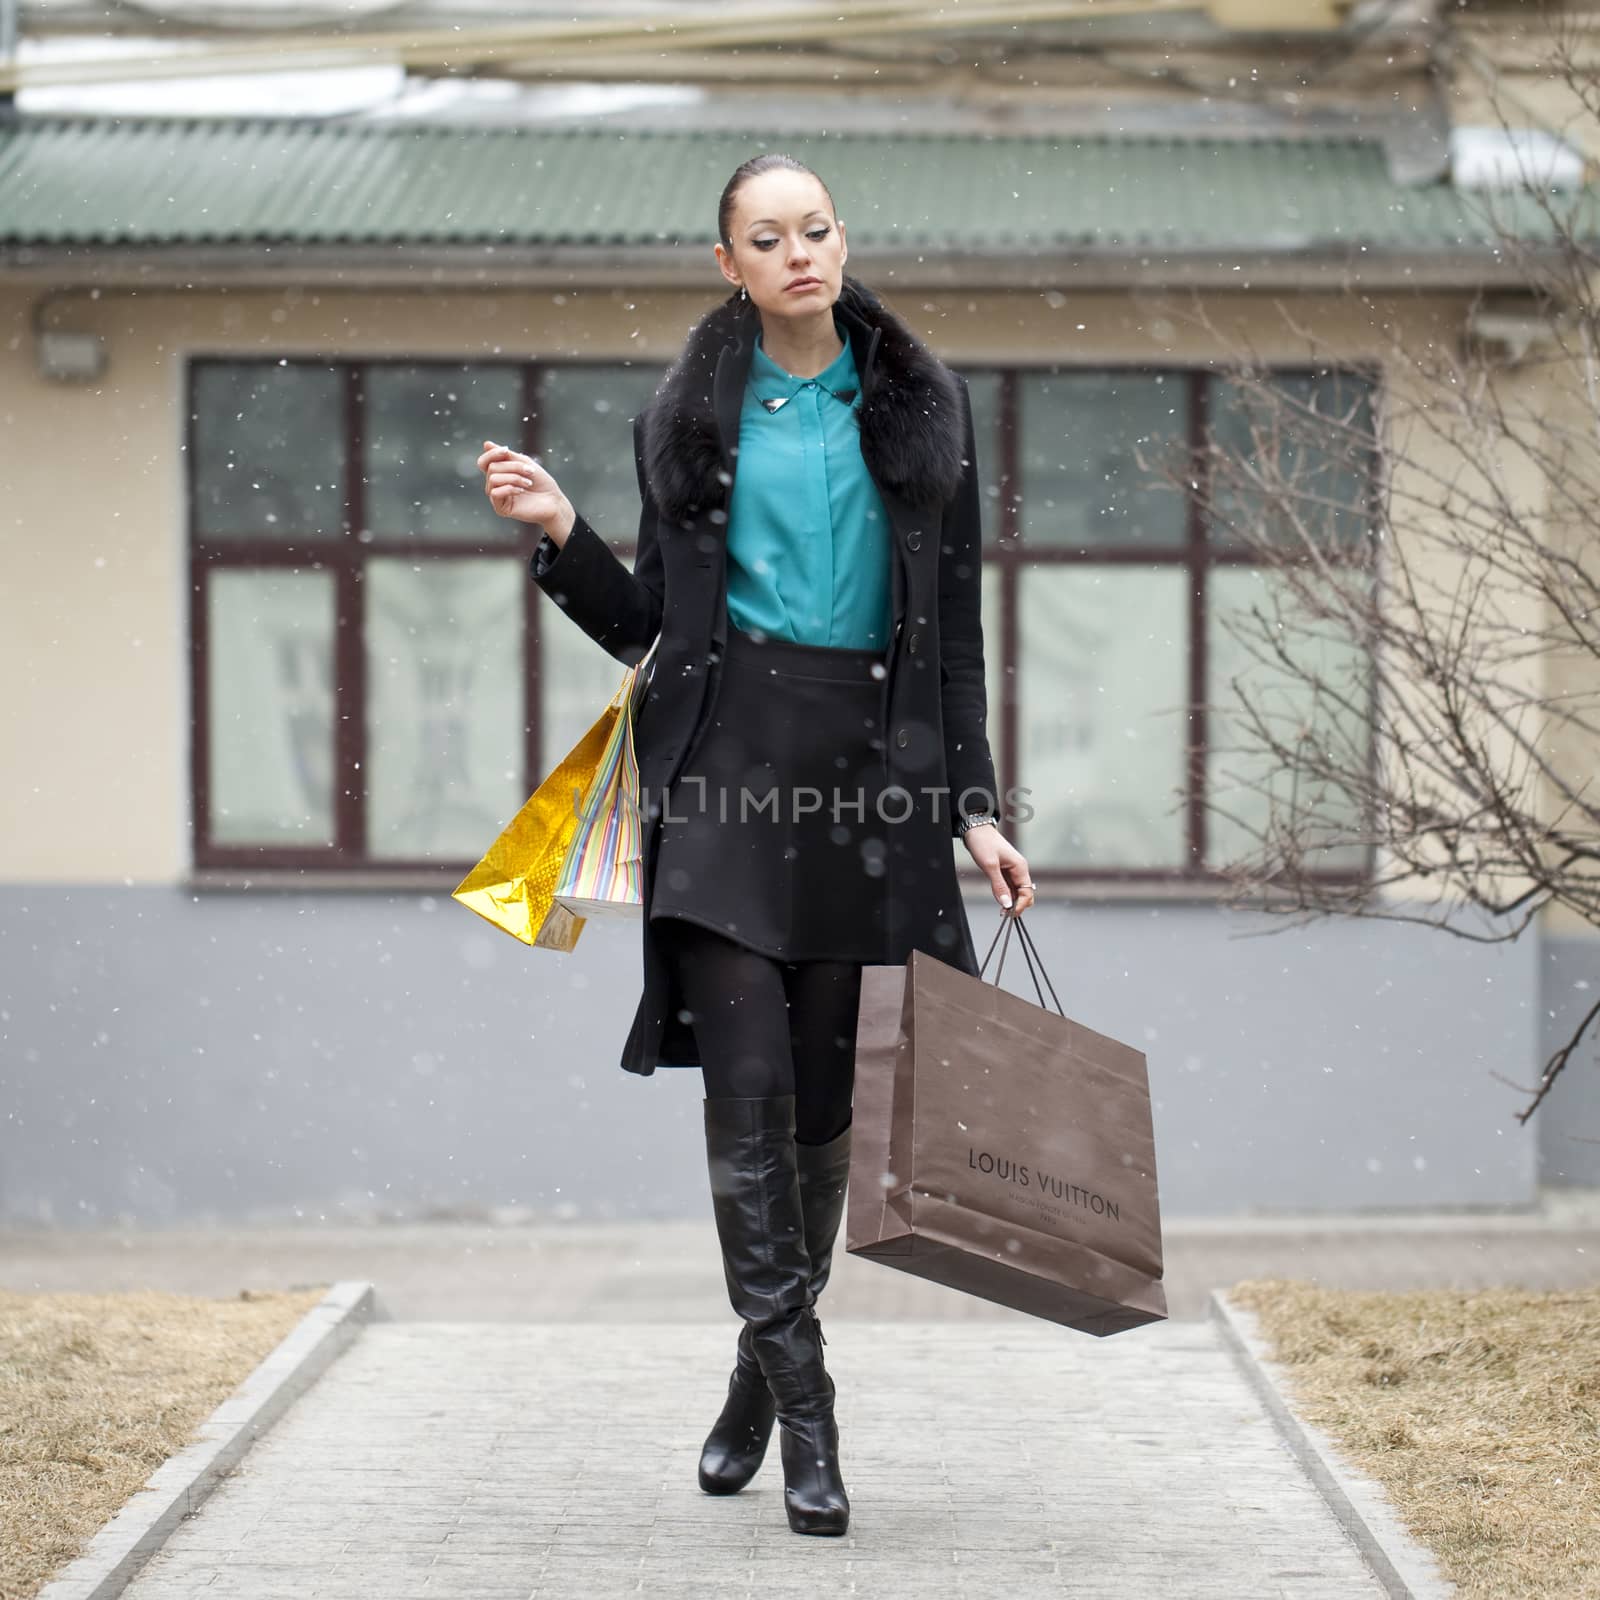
point(741, 292)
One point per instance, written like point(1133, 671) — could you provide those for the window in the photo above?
point(372, 685)
point(1107, 599)
point(378, 685)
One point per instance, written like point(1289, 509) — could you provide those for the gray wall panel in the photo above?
point(169, 1056)
point(1569, 1119)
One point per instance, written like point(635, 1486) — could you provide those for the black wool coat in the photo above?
point(917, 443)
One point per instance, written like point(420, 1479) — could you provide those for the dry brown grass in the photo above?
point(96, 1391)
point(1479, 1414)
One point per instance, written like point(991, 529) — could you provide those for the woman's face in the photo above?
point(788, 249)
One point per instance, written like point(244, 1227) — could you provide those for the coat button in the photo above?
point(913, 540)
point(911, 643)
point(902, 738)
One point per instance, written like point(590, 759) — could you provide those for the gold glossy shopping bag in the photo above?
point(513, 886)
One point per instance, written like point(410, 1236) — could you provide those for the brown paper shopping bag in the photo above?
point(1003, 1149)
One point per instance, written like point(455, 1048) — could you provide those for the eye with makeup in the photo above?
point(819, 234)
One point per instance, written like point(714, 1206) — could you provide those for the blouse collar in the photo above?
point(771, 382)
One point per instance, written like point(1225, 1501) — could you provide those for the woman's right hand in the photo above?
point(519, 488)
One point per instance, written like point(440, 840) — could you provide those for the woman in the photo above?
point(811, 742)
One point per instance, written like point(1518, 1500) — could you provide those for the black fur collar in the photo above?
point(911, 427)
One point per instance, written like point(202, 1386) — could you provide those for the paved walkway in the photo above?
point(543, 1440)
point(1009, 1458)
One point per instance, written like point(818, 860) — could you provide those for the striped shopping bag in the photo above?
point(602, 874)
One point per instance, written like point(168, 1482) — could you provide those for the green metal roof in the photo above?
point(168, 181)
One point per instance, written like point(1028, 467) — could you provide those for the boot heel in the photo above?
point(813, 1497)
point(813, 1492)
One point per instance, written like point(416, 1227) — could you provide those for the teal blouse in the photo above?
point(808, 535)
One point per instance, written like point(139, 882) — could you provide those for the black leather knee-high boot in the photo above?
point(737, 1443)
point(753, 1164)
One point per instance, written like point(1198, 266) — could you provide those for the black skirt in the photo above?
point(774, 833)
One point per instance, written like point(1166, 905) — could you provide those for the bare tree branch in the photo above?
point(1407, 723)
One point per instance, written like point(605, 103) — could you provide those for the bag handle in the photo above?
point(630, 692)
point(1005, 944)
point(643, 674)
point(1030, 955)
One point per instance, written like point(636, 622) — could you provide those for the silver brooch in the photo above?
point(846, 395)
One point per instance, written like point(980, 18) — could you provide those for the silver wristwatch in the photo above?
point(976, 819)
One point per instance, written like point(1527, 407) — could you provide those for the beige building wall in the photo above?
point(1528, 66)
point(1535, 67)
point(94, 620)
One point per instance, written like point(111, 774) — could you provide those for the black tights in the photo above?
point(769, 1027)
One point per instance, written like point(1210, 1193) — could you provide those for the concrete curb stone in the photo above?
point(178, 1487)
point(1405, 1568)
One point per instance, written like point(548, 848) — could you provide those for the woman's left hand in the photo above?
point(1003, 865)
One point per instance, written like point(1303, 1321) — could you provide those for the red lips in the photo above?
point(803, 283)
